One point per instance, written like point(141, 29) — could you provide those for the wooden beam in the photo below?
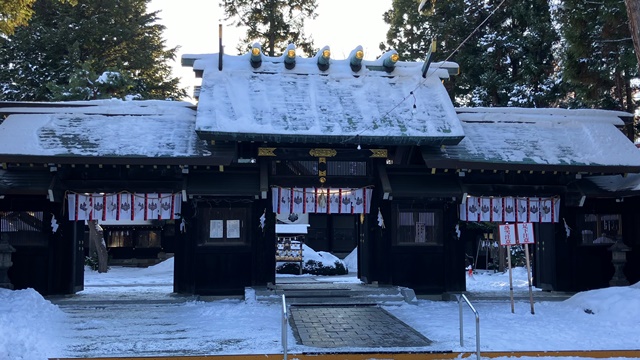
point(264, 179)
point(384, 179)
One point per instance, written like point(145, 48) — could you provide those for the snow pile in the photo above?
point(351, 261)
point(613, 303)
point(322, 257)
point(29, 325)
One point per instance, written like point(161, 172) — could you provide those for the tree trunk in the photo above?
point(272, 31)
point(96, 236)
point(633, 12)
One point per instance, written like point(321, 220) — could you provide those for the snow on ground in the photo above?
point(32, 328)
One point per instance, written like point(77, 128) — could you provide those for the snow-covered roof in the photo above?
point(541, 139)
point(617, 183)
point(334, 106)
point(101, 128)
point(308, 105)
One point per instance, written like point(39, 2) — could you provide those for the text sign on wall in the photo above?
point(525, 233)
point(507, 234)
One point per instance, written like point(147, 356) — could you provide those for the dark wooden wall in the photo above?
point(431, 269)
point(47, 264)
point(225, 269)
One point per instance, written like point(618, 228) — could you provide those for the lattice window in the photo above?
point(418, 227)
point(346, 168)
point(119, 238)
point(600, 228)
point(311, 168)
point(13, 221)
point(24, 227)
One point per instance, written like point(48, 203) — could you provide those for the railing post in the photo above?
point(477, 333)
point(285, 327)
point(461, 321)
point(460, 298)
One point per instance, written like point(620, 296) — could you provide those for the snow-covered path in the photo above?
point(133, 312)
point(190, 328)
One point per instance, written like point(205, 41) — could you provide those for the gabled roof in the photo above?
point(102, 131)
point(539, 140)
point(337, 106)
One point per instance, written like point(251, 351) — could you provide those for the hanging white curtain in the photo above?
point(298, 201)
point(111, 207)
point(321, 200)
point(485, 209)
point(124, 206)
point(522, 209)
point(510, 209)
point(534, 209)
point(359, 201)
point(473, 208)
point(497, 209)
point(310, 200)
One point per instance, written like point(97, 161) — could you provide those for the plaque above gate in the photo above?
point(323, 152)
point(341, 154)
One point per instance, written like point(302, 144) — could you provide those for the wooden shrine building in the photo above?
point(372, 153)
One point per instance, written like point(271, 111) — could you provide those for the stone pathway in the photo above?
point(351, 326)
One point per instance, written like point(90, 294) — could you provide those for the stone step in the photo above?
point(328, 295)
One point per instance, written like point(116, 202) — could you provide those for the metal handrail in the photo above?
point(460, 298)
point(285, 327)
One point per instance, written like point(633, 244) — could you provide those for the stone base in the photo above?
point(619, 282)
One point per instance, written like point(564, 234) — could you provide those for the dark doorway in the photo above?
point(335, 233)
point(544, 254)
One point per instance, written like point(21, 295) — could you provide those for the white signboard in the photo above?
point(525, 233)
point(507, 234)
point(233, 229)
point(215, 229)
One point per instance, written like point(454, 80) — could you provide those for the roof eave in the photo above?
point(224, 158)
point(527, 167)
point(330, 139)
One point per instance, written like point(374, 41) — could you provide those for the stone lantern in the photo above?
point(5, 261)
point(619, 258)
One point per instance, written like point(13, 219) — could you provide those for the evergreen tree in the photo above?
point(633, 12)
point(63, 41)
point(508, 60)
point(599, 60)
point(14, 13)
point(409, 32)
point(448, 23)
point(84, 84)
point(272, 23)
point(518, 62)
